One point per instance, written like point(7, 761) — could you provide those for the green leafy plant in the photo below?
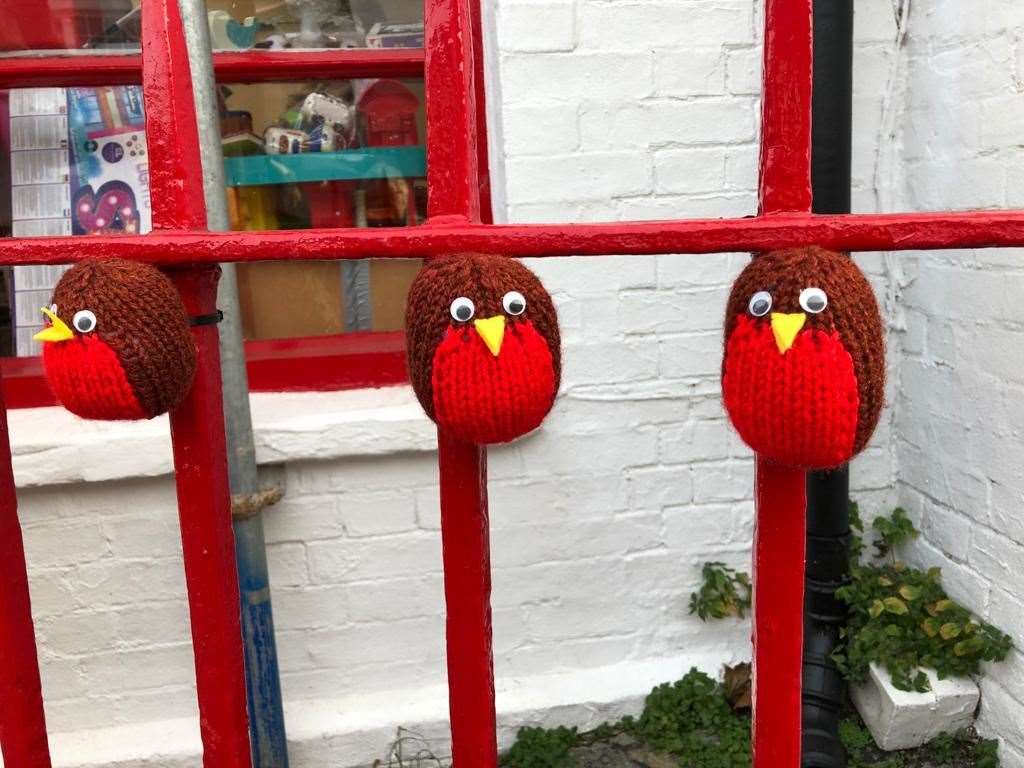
point(542, 748)
point(945, 751)
point(723, 592)
point(893, 531)
point(902, 619)
point(693, 720)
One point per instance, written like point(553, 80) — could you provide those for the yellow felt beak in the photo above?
point(57, 330)
point(492, 331)
point(786, 327)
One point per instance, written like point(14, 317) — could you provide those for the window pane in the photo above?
point(73, 161)
point(39, 25)
point(305, 24)
point(315, 155)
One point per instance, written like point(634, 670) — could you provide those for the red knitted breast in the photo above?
point(798, 409)
point(486, 399)
point(89, 381)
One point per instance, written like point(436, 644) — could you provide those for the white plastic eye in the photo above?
point(84, 321)
point(760, 304)
point(53, 308)
point(813, 300)
point(514, 303)
point(462, 309)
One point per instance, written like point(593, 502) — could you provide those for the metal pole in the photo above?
point(263, 684)
point(828, 519)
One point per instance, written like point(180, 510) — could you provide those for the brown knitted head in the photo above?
point(484, 350)
point(804, 369)
point(118, 344)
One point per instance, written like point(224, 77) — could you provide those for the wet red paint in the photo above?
point(197, 425)
point(22, 719)
point(779, 559)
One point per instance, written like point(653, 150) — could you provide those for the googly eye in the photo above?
point(514, 303)
point(462, 309)
point(53, 308)
point(813, 300)
point(84, 321)
point(760, 304)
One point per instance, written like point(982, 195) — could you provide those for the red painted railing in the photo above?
point(458, 205)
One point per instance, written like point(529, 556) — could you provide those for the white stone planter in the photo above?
point(902, 720)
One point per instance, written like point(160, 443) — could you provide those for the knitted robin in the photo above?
point(484, 349)
point(117, 344)
point(803, 375)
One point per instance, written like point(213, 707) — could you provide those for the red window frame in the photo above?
point(457, 213)
point(317, 363)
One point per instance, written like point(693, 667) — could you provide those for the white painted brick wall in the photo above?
point(604, 110)
point(960, 393)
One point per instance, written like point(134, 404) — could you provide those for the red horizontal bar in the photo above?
point(230, 67)
point(308, 364)
point(327, 363)
point(890, 232)
point(347, 63)
point(34, 71)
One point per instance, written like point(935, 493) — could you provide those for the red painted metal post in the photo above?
point(208, 545)
point(786, 107)
point(22, 719)
point(467, 587)
point(453, 186)
point(197, 425)
point(453, 172)
point(780, 538)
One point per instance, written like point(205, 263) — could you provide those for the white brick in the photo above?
point(743, 68)
point(691, 72)
point(548, 129)
point(568, 76)
point(667, 122)
point(544, 26)
point(688, 23)
point(581, 176)
point(688, 171)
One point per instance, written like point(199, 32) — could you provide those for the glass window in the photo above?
point(73, 161)
point(324, 155)
point(40, 25)
point(306, 24)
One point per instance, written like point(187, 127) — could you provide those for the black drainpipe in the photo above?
point(828, 520)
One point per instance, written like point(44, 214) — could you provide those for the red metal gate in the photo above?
point(458, 210)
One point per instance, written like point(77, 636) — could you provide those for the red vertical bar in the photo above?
point(467, 587)
point(780, 541)
point(453, 177)
point(483, 161)
point(197, 425)
point(781, 493)
point(22, 719)
point(786, 107)
point(453, 187)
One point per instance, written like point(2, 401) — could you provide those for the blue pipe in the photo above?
point(262, 679)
